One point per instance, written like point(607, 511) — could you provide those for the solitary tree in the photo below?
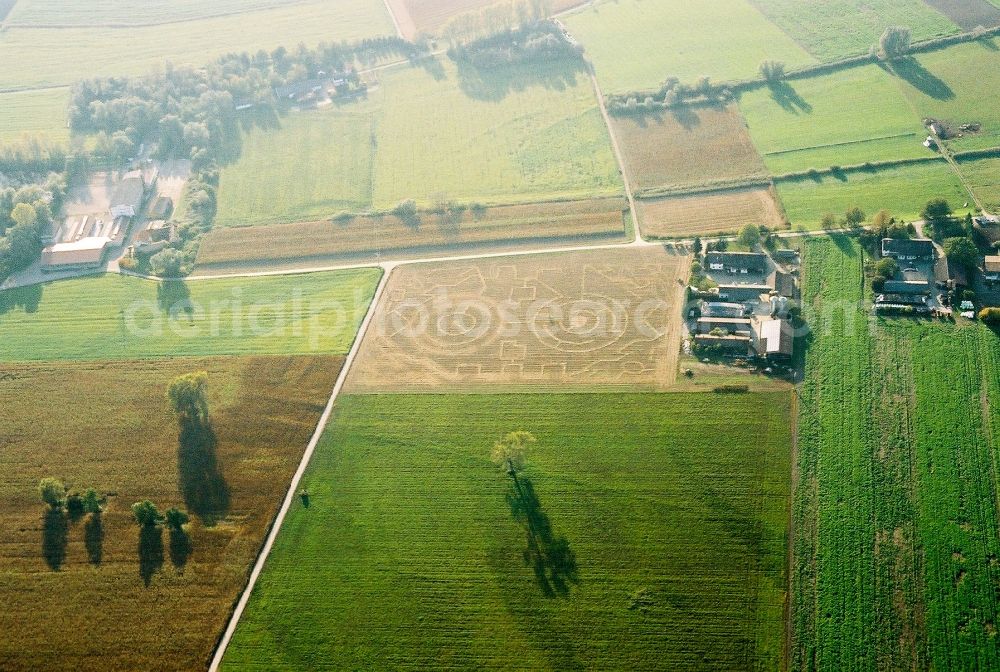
point(176, 519)
point(750, 236)
point(53, 492)
point(937, 214)
point(882, 219)
point(92, 501)
point(854, 216)
point(188, 396)
point(146, 514)
point(828, 221)
point(887, 268)
point(961, 251)
point(697, 246)
point(509, 452)
point(894, 43)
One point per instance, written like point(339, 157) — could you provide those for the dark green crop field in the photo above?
point(895, 511)
point(658, 536)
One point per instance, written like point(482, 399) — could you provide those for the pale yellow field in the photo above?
point(706, 214)
point(581, 320)
point(687, 147)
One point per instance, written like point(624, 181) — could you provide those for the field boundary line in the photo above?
point(392, 15)
point(111, 25)
point(845, 143)
point(615, 148)
point(234, 618)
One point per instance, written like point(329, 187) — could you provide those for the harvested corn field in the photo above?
point(709, 213)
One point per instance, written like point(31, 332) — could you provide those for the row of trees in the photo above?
point(58, 498)
point(498, 17)
point(539, 41)
point(186, 111)
point(894, 43)
point(670, 94)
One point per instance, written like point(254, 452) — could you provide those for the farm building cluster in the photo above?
point(919, 265)
point(927, 282)
point(319, 91)
point(748, 314)
point(102, 221)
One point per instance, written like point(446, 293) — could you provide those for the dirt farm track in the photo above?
point(594, 319)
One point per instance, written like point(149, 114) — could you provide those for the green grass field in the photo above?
point(849, 117)
point(318, 163)
point(984, 177)
point(636, 44)
point(506, 136)
point(61, 56)
point(957, 85)
point(662, 547)
point(902, 191)
point(834, 29)
point(135, 12)
point(34, 114)
point(118, 317)
point(895, 511)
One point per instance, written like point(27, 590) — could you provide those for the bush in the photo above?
point(52, 492)
point(887, 268)
point(731, 389)
point(146, 514)
point(990, 316)
point(74, 506)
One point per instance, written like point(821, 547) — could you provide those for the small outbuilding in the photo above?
point(991, 268)
point(783, 284)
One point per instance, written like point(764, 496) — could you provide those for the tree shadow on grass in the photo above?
point(150, 552)
point(432, 66)
point(55, 535)
point(844, 243)
point(93, 539)
point(495, 84)
point(546, 553)
point(173, 297)
point(205, 490)
point(923, 80)
point(26, 298)
point(788, 98)
point(180, 548)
